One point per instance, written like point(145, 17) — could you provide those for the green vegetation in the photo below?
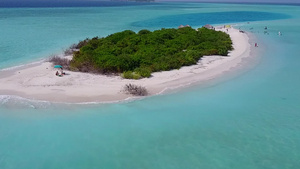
point(139, 54)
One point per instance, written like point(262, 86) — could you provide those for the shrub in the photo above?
point(135, 90)
point(131, 75)
point(222, 51)
point(82, 43)
point(143, 32)
point(56, 60)
point(68, 52)
point(143, 71)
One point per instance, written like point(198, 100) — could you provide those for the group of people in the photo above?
point(266, 32)
point(60, 73)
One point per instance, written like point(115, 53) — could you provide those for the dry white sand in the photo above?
point(40, 83)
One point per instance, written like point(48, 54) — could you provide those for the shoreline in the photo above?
point(38, 81)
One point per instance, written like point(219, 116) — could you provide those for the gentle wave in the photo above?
point(20, 102)
point(24, 65)
point(33, 63)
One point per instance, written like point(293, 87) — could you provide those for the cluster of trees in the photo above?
point(139, 54)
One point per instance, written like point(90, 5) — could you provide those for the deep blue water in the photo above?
point(57, 3)
point(250, 120)
point(196, 19)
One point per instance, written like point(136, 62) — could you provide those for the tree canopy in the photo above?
point(139, 54)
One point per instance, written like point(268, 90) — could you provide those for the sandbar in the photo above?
point(39, 82)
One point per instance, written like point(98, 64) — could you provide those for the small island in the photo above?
point(137, 55)
point(97, 64)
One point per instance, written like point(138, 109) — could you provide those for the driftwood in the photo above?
point(135, 90)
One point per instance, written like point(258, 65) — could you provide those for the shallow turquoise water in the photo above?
point(249, 121)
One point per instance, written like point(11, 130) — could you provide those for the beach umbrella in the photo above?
point(57, 66)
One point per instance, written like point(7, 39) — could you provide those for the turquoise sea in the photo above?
point(249, 120)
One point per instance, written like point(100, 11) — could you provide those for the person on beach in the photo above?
point(256, 45)
point(56, 73)
point(61, 71)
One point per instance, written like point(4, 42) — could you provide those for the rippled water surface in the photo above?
point(249, 121)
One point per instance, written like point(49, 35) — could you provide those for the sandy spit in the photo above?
point(39, 82)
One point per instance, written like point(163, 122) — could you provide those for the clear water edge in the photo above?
point(246, 65)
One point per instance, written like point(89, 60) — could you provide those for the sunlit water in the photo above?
point(250, 120)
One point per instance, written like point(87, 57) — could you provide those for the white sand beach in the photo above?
point(39, 82)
